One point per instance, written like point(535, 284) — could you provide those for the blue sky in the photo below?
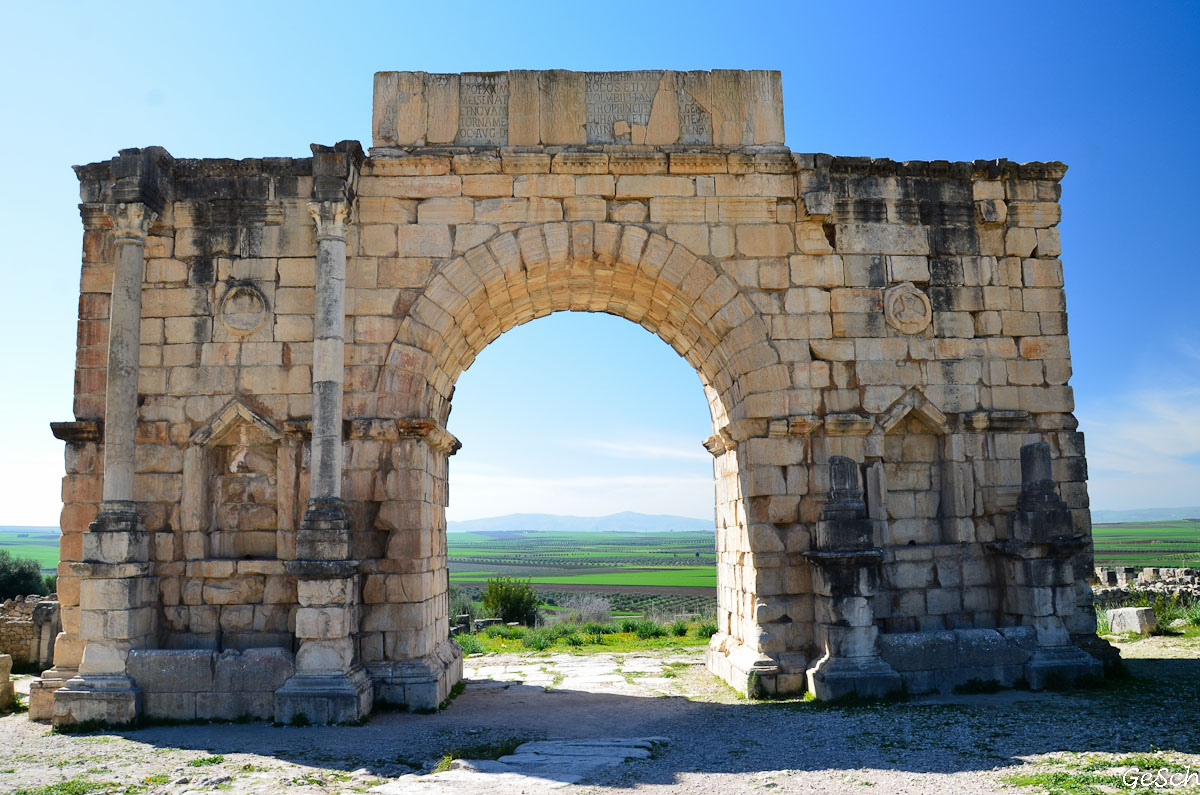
point(1110, 89)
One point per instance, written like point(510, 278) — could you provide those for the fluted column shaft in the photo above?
point(328, 349)
point(132, 221)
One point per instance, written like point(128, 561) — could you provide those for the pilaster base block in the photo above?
point(324, 698)
point(41, 692)
point(1057, 667)
point(325, 530)
point(117, 535)
point(749, 671)
point(865, 677)
point(107, 699)
point(421, 684)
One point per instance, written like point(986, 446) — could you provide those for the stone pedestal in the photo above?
point(330, 685)
point(845, 578)
point(116, 592)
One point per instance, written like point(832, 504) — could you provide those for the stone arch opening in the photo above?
point(513, 278)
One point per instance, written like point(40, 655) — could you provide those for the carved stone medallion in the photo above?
point(906, 308)
point(243, 309)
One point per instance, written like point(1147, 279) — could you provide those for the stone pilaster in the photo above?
point(1037, 561)
point(845, 578)
point(406, 634)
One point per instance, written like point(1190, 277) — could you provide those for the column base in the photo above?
point(325, 698)
point(421, 684)
point(109, 699)
point(865, 677)
point(1059, 666)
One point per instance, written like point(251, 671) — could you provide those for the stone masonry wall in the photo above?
point(907, 316)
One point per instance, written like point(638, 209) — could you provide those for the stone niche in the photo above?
point(231, 485)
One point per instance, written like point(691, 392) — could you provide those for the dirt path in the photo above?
point(713, 741)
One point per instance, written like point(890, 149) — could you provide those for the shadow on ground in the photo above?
point(1153, 710)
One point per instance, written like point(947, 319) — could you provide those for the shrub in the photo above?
point(469, 643)
point(679, 628)
point(511, 600)
point(630, 624)
point(50, 583)
point(584, 608)
point(537, 640)
point(19, 576)
point(460, 603)
point(706, 629)
point(573, 640)
point(504, 631)
point(647, 629)
point(596, 628)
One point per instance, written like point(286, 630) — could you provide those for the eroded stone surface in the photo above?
point(277, 464)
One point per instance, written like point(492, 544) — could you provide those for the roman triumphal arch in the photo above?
point(253, 519)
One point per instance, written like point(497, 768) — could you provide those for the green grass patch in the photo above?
point(75, 786)
point(205, 761)
point(632, 634)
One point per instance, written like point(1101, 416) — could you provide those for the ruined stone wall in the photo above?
point(16, 629)
point(906, 317)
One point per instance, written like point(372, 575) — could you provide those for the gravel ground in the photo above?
point(715, 742)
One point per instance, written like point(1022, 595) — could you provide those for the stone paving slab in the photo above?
point(537, 766)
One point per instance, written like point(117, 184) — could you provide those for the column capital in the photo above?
point(131, 221)
point(331, 217)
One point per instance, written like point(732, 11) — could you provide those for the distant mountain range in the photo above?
point(625, 522)
point(1146, 515)
point(630, 522)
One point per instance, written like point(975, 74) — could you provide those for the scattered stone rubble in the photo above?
point(1112, 585)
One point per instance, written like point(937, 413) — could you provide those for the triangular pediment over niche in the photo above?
point(914, 406)
point(236, 423)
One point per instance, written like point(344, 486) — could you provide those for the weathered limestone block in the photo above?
point(1138, 620)
point(526, 108)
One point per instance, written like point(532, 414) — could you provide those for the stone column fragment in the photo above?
point(1037, 560)
point(845, 578)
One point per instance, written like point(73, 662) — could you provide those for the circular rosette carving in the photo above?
point(243, 309)
point(907, 309)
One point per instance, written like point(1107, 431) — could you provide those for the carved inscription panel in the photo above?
point(560, 107)
point(616, 101)
point(482, 110)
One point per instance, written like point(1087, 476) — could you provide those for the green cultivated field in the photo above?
point(673, 562)
point(1166, 544)
point(39, 543)
point(678, 561)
